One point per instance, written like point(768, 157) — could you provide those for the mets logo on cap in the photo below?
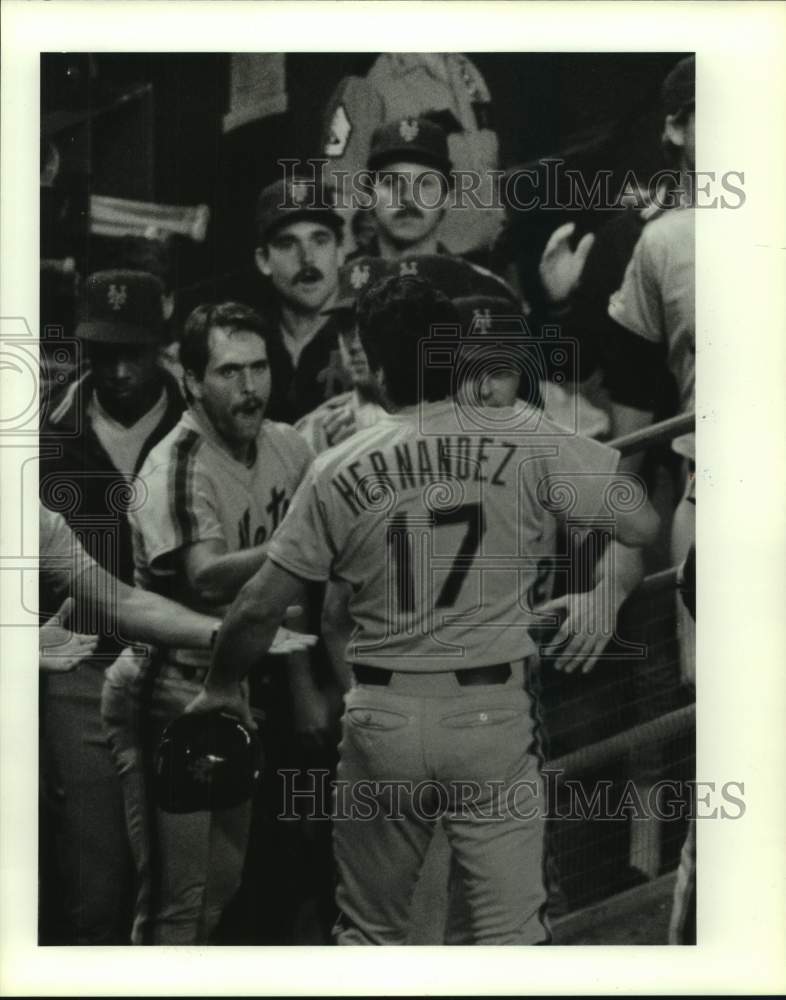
point(117, 296)
point(481, 320)
point(408, 267)
point(360, 275)
point(408, 129)
point(299, 192)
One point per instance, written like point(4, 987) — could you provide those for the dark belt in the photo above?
point(496, 673)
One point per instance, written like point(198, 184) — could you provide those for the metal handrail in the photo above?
point(598, 754)
point(665, 430)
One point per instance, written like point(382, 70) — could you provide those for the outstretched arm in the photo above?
point(246, 634)
point(143, 616)
point(215, 574)
point(590, 617)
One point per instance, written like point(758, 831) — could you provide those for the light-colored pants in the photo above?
point(189, 865)
point(425, 748)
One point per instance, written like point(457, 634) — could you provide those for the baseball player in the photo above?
point(341, 416)
point(412, 182)
point(435, 522)
point(446, 88)
point(70, 577)
point(218, 487)
point(299, 251)
point(654, 313)
point(104, 426)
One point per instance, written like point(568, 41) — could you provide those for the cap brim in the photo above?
point(408, 154)
point(103, 332)
point(325, 215)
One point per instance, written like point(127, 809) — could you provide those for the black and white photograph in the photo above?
point(367, 452)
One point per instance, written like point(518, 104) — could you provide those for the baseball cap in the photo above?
point(679, 88)
point(451, 275)
point(355, 277)
point(285, 201)
point(412, 140)
point(482, 315)
point(205, 762)
point(509, 344)
point(122, 307)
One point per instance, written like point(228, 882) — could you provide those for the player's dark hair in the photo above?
point(672, 153)
point(230, 316)
point(396, 318)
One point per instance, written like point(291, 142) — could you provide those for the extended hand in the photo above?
point(585, 631)
point(229, 699)
point(287, 641)
point(561, 267)
point(59, 649)
point(340, 423)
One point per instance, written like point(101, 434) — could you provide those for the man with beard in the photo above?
point(299, 251)
point(217, 488)
point(430, 523)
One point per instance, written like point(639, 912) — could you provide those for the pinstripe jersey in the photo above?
point(196, 491)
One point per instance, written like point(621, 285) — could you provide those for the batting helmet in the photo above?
point(205, 762)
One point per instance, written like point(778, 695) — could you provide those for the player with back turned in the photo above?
point(436, 525)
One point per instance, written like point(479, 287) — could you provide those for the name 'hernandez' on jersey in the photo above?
point(439, 529)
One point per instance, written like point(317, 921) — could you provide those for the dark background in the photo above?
point(149, 127)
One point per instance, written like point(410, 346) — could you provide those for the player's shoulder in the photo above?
point(183, 443)
point(357, 446)
point(322, 411)
point(673, 223)
point(280, 433)
point(286, 440)
point(354, 102)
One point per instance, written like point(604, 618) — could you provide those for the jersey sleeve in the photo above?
point(303, 544)
point(353, 112)
point(575, 482)
point(62, 558)
point(312, 429)
point(181, 509)
point(302, 452)
point(638, 304)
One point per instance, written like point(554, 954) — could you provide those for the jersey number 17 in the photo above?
point(401, 541)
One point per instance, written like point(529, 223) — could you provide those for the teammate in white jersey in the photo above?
point(435, 518)
point(217, 488)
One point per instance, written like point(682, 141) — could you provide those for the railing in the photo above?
point(639, 719)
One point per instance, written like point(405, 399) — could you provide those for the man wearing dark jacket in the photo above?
point(299, 251)
point(96, 440)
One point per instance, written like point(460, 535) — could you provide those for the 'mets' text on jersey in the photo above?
point(441, 530)
point(196, 491)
